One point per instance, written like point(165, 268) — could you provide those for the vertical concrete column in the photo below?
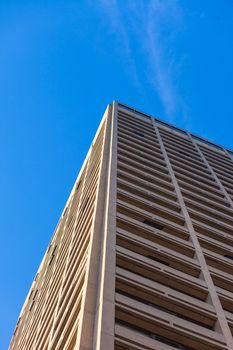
point(211, 170)
point(199, 253)
point(105, 317)
point(85, 337)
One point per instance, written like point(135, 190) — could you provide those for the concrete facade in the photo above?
point(142, 256)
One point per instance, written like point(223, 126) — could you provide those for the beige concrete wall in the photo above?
point(142, 257)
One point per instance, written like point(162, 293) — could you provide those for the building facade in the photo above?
point(142, 256)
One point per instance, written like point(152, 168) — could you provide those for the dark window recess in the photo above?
point(78, 185)
point(17, 325)
point(138, 133)
point(177, 289)
point(49, 248)
point(154, 336)
point(54, 249)
point(34, 297)
point(52, 255)
point(162, 308)
point(184, 153)
point(85, 204)
point(30, 295)
point(153, 224)
point(33, 302)
point(51, 260)
point(65, 212)
point(143, 115)
point(158, 260)
point(229, 256)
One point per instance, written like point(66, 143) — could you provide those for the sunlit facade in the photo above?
point(142, 256)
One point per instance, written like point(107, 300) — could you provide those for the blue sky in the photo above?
point(61, 63)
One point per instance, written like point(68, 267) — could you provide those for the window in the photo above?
point(158, 260)
point(154, 336)
point(138, 133)
point(49, 248)
point(17, 325)
point(184, 153)
point(30, 295)
point(85, 204)
point(229, 256)
point(78, 185)
point(153, 224)
point(33, 300)
point(52, 255)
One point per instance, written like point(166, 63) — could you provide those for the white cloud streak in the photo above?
point(117, 25)
point(153, 26)
point(159, 68)
point(164, 21)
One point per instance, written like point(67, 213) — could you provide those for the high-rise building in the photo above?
point(142, 256)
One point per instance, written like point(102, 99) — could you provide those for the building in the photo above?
point(142, 256)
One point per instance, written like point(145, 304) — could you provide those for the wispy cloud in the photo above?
point(164, 21)
point(153, 25)
point(118, 26)
point(160, 62)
